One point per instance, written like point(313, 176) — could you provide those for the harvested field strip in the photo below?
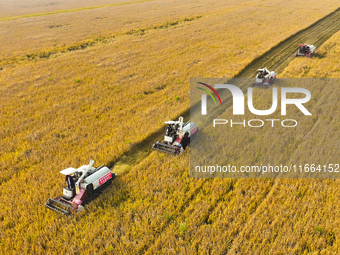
point(276, 58)
point(264, 187)
point(136, 155)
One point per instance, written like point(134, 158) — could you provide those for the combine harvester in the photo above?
point(306, 50)
point(82, 185)
point(177, 136)
point(264, 78)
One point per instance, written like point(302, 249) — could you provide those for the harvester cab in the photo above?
point(82, 185)
point(177, 136)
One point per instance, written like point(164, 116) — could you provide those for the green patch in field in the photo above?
point(169, 217)
point(183, 228)
point(319, 230)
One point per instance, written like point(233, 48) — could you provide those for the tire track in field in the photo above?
point(183, 208)
point(277, 58)
point(316, 34)
point(269, 194)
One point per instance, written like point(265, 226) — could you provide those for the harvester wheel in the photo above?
point(185, 140)
point(90, 190)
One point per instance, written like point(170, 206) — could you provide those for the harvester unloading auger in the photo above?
point(83, 184)
point(177, 136)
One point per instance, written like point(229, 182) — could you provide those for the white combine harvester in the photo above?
point(177, 136)
point(83, 184)
point(264, 78)
point(306, 50)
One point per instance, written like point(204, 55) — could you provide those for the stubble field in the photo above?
point(101, 87)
